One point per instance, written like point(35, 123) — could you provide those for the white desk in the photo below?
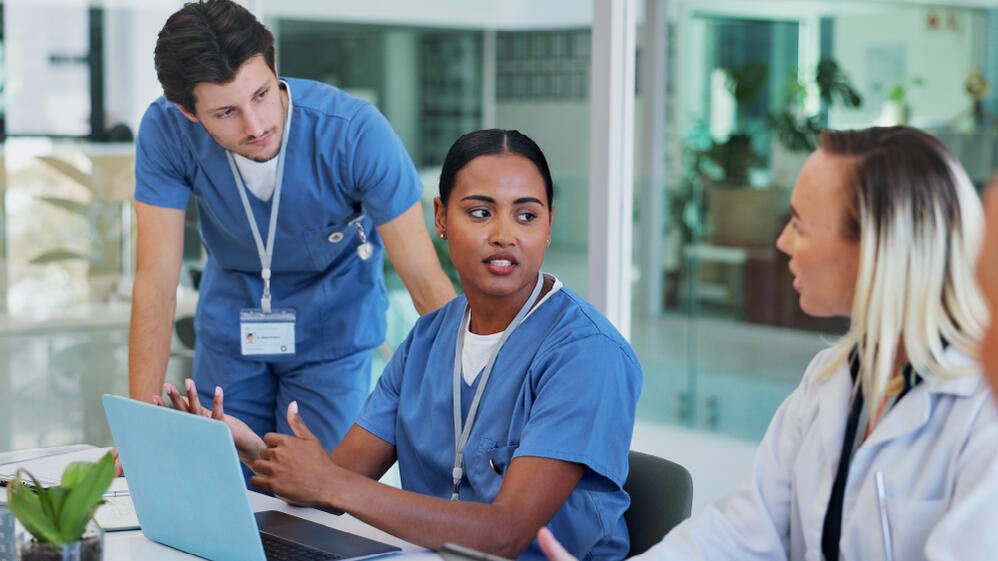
point(134, 545)
point(119, 546)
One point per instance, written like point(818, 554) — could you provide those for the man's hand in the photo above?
point(551, 547)
point(296, 468)
point(248, 443)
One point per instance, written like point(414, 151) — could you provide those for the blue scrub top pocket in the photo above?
point(330, 243)
point(484, 478)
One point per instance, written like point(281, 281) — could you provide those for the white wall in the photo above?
point(478, 14)
point(130, 83)
point(941, 57)
point(561, 129)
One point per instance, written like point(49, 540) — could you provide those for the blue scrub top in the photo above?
point(565, 386)
point(343, 159)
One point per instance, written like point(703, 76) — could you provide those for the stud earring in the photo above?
point(549, 241)
point(442, 236)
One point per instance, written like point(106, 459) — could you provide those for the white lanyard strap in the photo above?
point(461, 434)
point(266, 254)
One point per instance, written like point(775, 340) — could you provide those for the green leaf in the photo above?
point(44, 499)
point(58, 496)
point(27, 508)
point(75, 472)
point(84, 498)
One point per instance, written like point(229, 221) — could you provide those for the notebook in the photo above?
point(188, 491)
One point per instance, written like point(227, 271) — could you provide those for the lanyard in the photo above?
point(266, 255)
point(461, 434)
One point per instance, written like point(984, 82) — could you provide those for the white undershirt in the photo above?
point(477, 348)
point(261, 177)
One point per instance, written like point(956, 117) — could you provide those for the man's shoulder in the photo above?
point(322, 100)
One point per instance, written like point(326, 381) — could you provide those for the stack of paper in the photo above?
point(47, 464)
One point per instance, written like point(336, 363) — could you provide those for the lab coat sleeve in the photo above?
point(160, 179)
point(380, 170)
point(969, 528)
point(753, 523)
point(380, 411)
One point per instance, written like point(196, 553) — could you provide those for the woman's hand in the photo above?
point(296, 468)
point(551, 547)
point(248, 443)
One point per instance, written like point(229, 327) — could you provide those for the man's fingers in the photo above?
point(551, 547)
point(216, 405)
point(296, 423)
point(157, 400)
point(192, 397)
point(174, 395)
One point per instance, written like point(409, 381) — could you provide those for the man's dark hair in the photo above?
point(207, 41)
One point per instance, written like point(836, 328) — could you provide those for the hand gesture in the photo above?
point(551, 547)
point(296, 468)
point(248, 443)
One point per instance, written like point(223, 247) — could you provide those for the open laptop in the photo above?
point(184, 476)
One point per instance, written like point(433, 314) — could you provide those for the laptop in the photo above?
point(189, 493)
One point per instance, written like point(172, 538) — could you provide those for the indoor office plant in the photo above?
point(60, 519)
point(739, 214)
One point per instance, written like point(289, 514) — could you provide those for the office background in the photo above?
point(722, 90)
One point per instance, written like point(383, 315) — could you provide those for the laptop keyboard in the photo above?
point(278, 550)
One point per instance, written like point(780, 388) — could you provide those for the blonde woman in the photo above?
point(888, 449)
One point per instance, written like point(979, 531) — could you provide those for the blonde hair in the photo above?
point(919, 224)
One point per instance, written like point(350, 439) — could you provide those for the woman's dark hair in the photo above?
point(207, 41)
point(486, 143)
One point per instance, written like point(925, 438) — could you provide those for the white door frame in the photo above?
point(611, 159)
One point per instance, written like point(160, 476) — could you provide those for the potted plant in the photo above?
point(737, 211)
point(60, 519)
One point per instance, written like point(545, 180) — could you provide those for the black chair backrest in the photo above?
point(661, 497)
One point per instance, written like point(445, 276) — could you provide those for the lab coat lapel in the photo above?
point(914, 409)
point(907, 416)
point(833, 408)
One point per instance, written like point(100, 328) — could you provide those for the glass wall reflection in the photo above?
point(750, 84)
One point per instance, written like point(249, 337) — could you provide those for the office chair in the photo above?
point(661, 497)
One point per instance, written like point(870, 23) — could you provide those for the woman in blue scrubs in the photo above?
point(508, 409)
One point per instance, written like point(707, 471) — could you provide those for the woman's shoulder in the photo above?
point(574, 322)
point(432, 322)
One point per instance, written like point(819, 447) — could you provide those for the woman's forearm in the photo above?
point(430, 521)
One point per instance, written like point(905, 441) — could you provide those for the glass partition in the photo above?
point(748, 85)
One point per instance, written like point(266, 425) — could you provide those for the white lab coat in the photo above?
point(937, 449)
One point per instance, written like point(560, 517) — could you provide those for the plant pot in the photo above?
point(90, 547)
point(743, 216)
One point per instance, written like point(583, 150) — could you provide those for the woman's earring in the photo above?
point(442, 236)
point(549, 241)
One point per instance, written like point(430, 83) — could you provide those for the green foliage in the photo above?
point(746, 81)
point(797, 132)
point(733, 157)
point(60, 514)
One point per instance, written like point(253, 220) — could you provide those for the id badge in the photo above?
point(267, 334)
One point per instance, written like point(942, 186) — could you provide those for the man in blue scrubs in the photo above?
point(298, 187)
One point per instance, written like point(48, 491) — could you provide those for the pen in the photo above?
point(885, 525)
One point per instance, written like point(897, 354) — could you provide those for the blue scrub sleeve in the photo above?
point(584, 410)
point(159, 175)
point(380, 413)
point(382, 173)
